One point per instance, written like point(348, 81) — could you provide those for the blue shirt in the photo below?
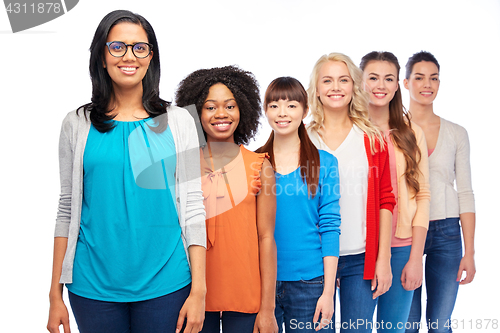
point(129, 246)
point(307, 229)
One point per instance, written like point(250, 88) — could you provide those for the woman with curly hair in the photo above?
point(340, 126)
point(240, 205)
point(410, 182)
point(129, 238)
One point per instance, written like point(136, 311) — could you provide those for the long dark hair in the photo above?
point(399, 123)
point(102, 87)
point(289, 88)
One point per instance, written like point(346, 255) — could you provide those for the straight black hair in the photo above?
point(102, 87)
point(289, 88)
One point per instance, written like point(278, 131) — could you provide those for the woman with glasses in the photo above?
point(130, 230)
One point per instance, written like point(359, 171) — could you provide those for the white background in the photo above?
point(45, 75)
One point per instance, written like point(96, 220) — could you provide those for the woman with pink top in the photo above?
point(410, 183)
point(450, 208)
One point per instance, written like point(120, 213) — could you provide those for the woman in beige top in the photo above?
point(448, 149)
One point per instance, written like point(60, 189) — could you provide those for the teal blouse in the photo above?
point(129, 246)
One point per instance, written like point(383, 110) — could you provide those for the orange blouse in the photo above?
point(230, 199)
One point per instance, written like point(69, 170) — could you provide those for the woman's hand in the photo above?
point(265, 322)
point(58, 315)
point(193, 311)
point(468, 265)
point(324, 306)
point(412, 275)
point(383, 277)
point(383, 273)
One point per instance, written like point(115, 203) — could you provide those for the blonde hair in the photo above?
point(358, 107)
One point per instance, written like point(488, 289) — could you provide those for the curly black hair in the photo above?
point(194, 90)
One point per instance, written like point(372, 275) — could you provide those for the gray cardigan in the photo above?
point(450, 163)
point(74, 132)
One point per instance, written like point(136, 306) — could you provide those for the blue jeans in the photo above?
point(232, 322)
point(296, 304)
point(393, 307)
point(356, 297)
point(151, 316)
point(443, 249)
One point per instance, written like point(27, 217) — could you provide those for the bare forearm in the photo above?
point(56, 288)
point(197, 257)
point(267, 257)
point(266, 214)
point(330, 274)
point(468, 221)
point(467, 264)
point(383, 275)
point(419, 235)
point(192, 312)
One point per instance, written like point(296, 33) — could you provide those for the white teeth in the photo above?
point(220, 125)
point(379, 95)
point(128, 69)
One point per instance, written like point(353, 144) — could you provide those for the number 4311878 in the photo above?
point(471, 324)
point(39, 8)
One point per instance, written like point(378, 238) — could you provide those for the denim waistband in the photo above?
point(443, 223)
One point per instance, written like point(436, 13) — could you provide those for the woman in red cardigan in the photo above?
point(340, 125)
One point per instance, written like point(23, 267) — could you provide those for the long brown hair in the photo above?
point(288, 88)
point(399, 123)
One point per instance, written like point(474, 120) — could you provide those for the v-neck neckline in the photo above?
point(344, 143)
point(440, 134)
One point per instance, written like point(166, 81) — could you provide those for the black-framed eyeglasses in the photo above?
point(140, 50)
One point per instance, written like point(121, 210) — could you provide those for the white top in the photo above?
point(450, 163)
point(353, 176)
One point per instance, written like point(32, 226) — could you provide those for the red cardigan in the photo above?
point(379, 196)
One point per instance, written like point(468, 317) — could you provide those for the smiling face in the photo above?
point(285, 116)
point(128, 71)
point(423, 83)
point(381, 82)
point(334, 86)
point(220, 114)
